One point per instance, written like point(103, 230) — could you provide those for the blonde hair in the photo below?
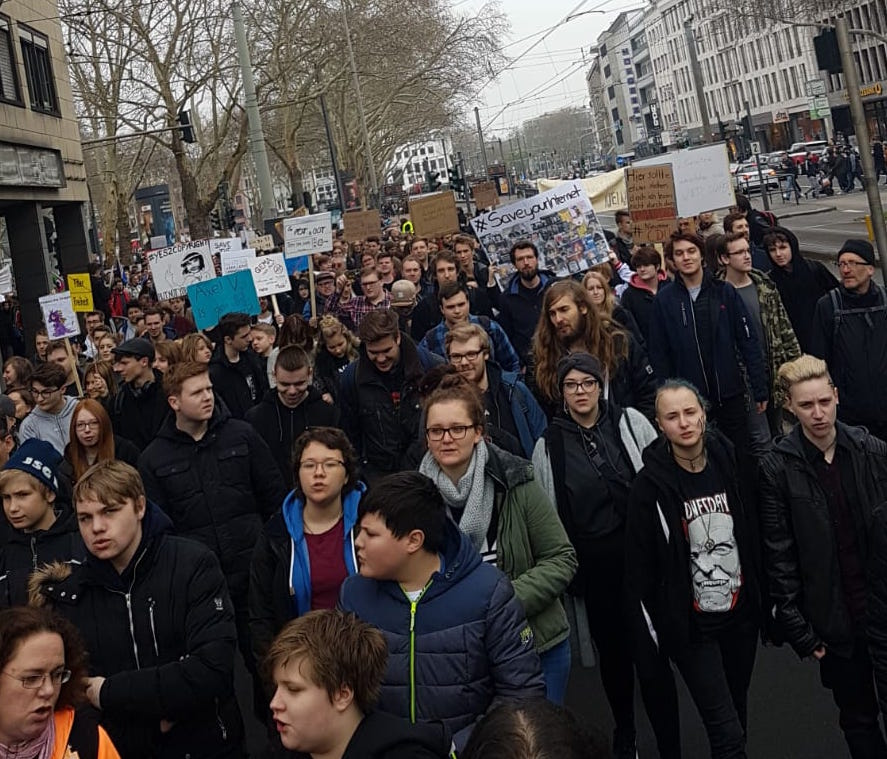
point(465, 332)
point(111, 482)
point(802, 369)
point(609, 303)
point(8, 475)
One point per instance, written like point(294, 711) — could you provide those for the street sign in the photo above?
point(814, 87)
point(756, 148)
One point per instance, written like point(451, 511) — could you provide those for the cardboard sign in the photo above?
point(361, 224)
point(80, 287)
point(59, 316)
point(560, 222)
point(485, 195)
point(305, 235)
point(269, 274)
point(176, 268)
point(210, 300)
point(235, 260)
point(263, 242)
point(651, 200)
point(222, 245)
point(434, 215)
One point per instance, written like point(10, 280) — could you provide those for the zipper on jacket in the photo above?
point(132, 628)
point(698, 348)
point(34, 551)
point(413, 605)
point(221, 724)
point(153, 629)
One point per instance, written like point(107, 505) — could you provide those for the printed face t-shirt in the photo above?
point(715, 570)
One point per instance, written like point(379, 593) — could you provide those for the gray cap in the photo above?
point(138, 347)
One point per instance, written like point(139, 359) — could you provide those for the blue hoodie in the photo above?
point(300, 565)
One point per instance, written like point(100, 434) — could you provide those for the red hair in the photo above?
point(75, 452)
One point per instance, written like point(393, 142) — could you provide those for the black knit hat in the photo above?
point(862, 248)
point(582, 361)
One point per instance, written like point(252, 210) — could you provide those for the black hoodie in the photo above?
point(383, 736)
point(800, 288)
point(280, 426)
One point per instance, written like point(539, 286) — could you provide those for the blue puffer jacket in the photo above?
point(675, 350)
point(462, 646)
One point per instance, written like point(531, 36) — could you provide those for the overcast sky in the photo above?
point(552, 74)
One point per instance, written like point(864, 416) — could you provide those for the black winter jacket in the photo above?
point(519, 310)
point(26, 552)
point(657, 554)
point(231, 385)
point(638, 301)
point(162, 634)
point(382, 429)
point(384, 736)
point(328, 372)
point(876, 603)
point(279, 426)
point(138, 414)
point(675, 350)
point(218, 490)
point(799, 539)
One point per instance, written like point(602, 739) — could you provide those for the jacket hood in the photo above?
point(546, 277)
point(380, 735)
point(660, 466)
point(65, 522)
point(792, 241)
point(638, 283)
point(68, 406)
point(506, 468)
point(293, 505)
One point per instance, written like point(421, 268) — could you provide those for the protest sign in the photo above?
point(158, 241)
point(361, 224)
point(304, 235)
point(181, 265)
point(269, 274)
point(485, 195)
point(223, 295)
point(651, 200)
point(263, 242)
point(434, 215)
point(59, 316)
point(80, 288)
point(221, 245)
point(605, 191)
point(702, 179)
point(6, 279)
point(235, 260)
point(561, 223)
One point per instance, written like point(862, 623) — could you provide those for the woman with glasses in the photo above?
point(42, 680)
point(586, 462)
point(493, 497)
point(93, 440)
point(306, 550)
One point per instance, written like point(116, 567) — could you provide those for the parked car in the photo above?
point(747, 180)
point(798, 151)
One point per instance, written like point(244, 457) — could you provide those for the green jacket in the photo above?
point(782, 344)
point(532, 547)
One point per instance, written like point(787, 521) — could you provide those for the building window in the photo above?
point(9, 89)
point(430, 149)
point(38, 70)
point(607, 71)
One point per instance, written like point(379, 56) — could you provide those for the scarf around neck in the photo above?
point(473, 495)
point(36, 748)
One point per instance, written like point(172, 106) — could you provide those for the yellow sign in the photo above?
point(81, 292)
point(871, 89)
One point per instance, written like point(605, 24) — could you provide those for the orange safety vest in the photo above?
point(64, 721)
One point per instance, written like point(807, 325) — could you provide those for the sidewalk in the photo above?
point(853, 201)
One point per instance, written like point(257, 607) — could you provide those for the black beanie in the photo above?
point(862, 248)
point(582, 361)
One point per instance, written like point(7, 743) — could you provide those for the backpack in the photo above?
point(769, 217)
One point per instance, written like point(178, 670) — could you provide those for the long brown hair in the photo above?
point(75, 452)
point(603, 339)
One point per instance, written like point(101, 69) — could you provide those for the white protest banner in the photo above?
point(269, 274)
point(702, 179)
point(305, 235)
point(6, 279)
point(235, 260)
point(221, 245)
point(560, 222)
point(180, 265)
point(59, 316)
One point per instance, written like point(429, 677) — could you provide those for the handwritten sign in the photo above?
point(651, 200)
point(304, 235)
point(59, 316)
point(263, 242)
point(361, 224)
point(177, 267)
point(80, 287)
point(269, 274)
point(213, 299)
point(435, 215)
point(235, 260)
point(485, 195)
point(222, 245)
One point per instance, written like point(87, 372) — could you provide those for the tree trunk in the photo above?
point(124, 245)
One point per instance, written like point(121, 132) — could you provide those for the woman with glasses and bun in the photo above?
point(42, 680)
point(494, 498)
point(306, 549)
point(586, 462)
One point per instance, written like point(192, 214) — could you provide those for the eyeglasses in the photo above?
point(571, 386)
point(43, 393)
point(327, 465)
point(33, 682)
point(457, 358)
point(456, 432)
point(82, 426)
point(851, 264)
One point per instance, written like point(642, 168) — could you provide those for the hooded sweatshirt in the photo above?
point(53, 428)
point(383, 736)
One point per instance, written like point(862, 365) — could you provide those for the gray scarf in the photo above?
point(473, 494)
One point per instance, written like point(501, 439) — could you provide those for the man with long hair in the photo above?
point(570, 323)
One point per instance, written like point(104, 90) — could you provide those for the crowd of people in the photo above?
point(414, 501)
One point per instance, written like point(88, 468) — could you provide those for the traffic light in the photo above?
point(215, 220)
point(828, 55)
point(456, 181)
point(184, 122)
point(433, 181)
point(229, 218)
